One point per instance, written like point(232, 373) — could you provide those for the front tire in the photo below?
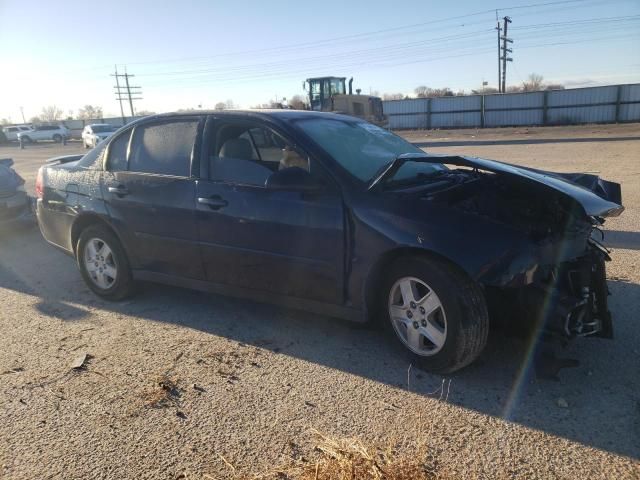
point(103, 264)
point(57, 138)
point(435, 313)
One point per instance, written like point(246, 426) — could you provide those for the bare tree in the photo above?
point(89, 112)
point(422, 91)
point(553, 86)
point(298, 102)
point(4, 121)
point(220, 106)
point(35, 119)
point(425, 92)
point(392, 96)
point(50, 113)
point(533, 84)
point(229, 105)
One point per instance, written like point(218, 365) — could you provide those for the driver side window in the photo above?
point(247, 155)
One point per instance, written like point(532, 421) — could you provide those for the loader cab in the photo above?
point(321, 89)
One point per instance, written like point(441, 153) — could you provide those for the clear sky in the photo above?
point(195, 52)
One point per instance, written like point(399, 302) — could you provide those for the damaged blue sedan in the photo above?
point(332, 214)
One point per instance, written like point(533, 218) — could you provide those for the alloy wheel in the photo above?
point(417, 316)
point(100, 263)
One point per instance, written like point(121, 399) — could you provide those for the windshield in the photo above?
point(364, 149)
point(103, 128)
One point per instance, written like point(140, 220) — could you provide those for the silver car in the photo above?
point(93, 134)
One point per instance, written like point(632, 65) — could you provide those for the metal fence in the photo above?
point(609, 104)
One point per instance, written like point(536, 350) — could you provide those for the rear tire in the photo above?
point(103, 263)
point(434, 312)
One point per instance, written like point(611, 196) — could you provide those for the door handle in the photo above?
point(213, 203)
point(119, 190)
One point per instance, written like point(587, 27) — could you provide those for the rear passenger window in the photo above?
point(164, 148)
point(118, 152)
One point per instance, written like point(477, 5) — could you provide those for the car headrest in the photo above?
point(237, 148)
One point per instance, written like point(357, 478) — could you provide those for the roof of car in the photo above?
point(285, 114)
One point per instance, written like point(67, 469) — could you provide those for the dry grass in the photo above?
point(349, 459)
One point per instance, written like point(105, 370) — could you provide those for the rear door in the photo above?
point(285, 242)
point(150, 195)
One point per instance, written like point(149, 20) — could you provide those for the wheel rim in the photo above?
point(417, 316)
point(100, 263)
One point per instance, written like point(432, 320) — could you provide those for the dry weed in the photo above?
point(349, 459)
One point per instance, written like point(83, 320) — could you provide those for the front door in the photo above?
point(150, 196)
point(285, 242)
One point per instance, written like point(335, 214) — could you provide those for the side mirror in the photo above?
point(293, 179)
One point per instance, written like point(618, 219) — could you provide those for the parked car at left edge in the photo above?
point(15, 204)
point(11, 132)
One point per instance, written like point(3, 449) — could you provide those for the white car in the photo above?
point(93, 134)
point(45, 132)
point(12, 132)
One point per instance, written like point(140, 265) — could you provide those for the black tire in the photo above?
point(467, 320)
point(26, 139)
point(123, 285)
point(57, 138)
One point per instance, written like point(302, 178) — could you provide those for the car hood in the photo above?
point(597, 197)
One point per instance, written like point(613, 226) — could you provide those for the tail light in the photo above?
point(39, 184)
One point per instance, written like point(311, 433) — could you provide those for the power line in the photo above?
point(402, 28)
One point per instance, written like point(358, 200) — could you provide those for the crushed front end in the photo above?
point(564, 300)
point(552, 276)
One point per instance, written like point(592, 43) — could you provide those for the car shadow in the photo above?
point(524, 141)
point(603, 391)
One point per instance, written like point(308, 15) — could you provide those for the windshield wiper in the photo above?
point(389, 170)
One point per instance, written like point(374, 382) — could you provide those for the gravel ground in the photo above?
point(181, 384)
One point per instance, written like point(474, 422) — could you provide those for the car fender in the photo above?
point(490, 253)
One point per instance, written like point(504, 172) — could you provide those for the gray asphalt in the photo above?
point(253, 380)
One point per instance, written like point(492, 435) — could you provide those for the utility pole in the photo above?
point(505, 53)
point(119, 99)
point(498, 29)
point(126, 92)
point(22, 112)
